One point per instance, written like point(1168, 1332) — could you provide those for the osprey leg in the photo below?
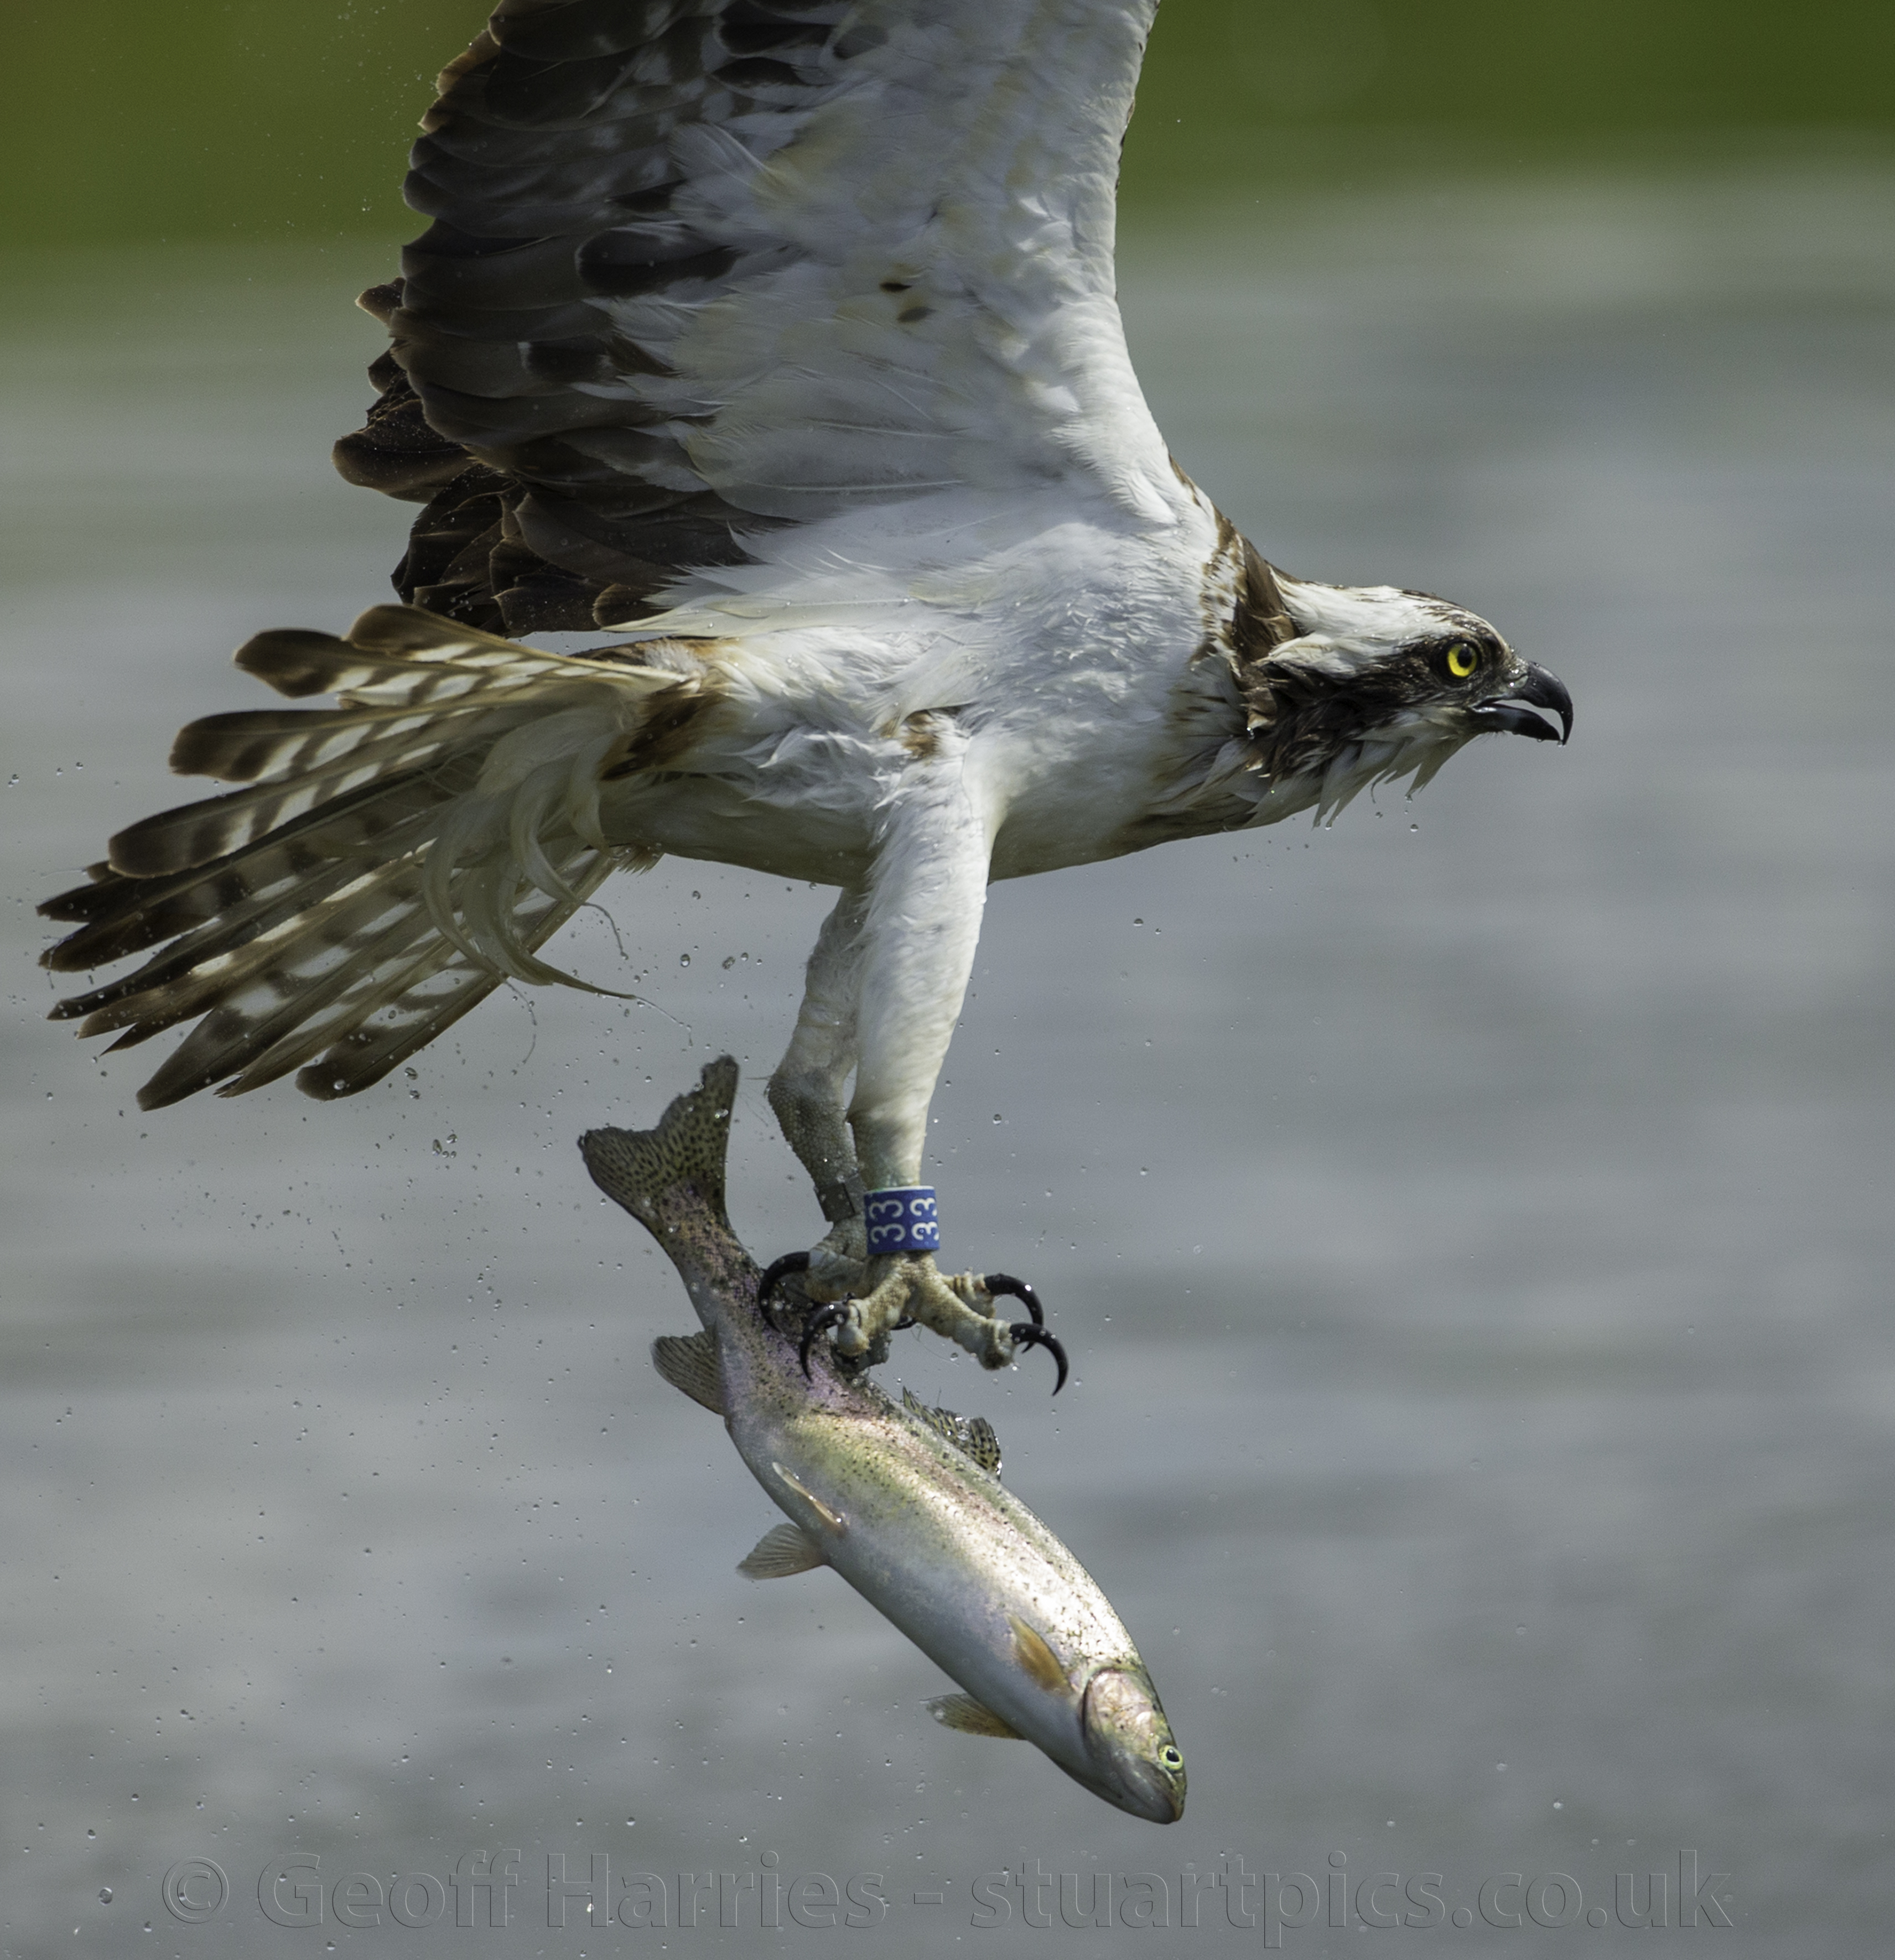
point(807, 1091)
point(885, 986)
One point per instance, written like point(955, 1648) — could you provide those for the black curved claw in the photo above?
point(774, 1275)
point(1028, 1334)
point(831, 1316)
point(998, 1284)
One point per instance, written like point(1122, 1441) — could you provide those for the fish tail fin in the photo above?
point(671, 1179)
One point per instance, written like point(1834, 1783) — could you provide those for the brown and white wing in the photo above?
point(705, 272)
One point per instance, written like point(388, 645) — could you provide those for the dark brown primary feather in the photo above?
point(551, 165)
point(363, 890)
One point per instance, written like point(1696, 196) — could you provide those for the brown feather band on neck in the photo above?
point(1260, 621)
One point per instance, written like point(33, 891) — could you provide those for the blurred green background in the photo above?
point(260, 119)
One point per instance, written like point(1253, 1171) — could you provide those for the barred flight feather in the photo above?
point(126, 912)
point(658, 322)
point(394, 860)
point(159, 994)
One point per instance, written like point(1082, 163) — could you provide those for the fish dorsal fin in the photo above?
point(688, 1361)
point(1036, 1658)
point(970, 1717)
point(783, 1550)
point(981, 1443)
point(973, 1435)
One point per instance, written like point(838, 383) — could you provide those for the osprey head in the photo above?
point(1366, 684)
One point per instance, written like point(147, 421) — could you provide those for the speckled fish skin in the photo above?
point(934, 1541)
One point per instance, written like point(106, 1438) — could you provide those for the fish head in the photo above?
point(1135, 1760)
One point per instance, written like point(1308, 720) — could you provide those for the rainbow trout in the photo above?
point(905, 1502)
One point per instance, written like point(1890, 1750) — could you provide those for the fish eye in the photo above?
point(1170, 1757)
point(1462, 660)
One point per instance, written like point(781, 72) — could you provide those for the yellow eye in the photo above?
point(1461, 661)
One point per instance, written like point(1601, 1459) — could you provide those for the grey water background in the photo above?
point(1471, 1224)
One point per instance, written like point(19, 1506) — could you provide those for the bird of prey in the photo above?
point(778, 339)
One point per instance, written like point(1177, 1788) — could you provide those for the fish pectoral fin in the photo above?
point(688, 1361)
point(834, 1519)
point(782, 1550)
point(970, 1717)
point(1037, 1659)
point(972, 1435)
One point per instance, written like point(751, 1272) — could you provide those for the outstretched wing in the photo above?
point(705, 272)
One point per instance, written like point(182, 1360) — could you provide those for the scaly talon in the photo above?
point(1031, 1334)
point(998, 1284)
point(900, 1290)
point(774, 1274)
point(834, 1315)
point(839, 1263)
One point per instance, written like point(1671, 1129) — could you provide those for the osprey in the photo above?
point(777, 337)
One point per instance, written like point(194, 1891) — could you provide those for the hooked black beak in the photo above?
point(1540, 689)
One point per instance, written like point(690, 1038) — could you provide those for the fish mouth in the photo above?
point(1512, 713)
point(1138, 1764)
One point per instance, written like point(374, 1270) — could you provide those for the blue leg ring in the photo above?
point(907, 1220)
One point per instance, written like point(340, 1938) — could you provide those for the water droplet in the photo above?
point(105, 1894)
point(684, 959)
point(998, 1118)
